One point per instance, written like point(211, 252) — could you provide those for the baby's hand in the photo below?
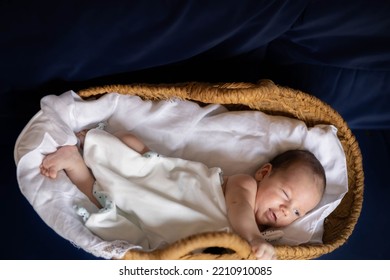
point(262, 249)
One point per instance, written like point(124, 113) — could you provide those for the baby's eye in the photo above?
point(296, 212)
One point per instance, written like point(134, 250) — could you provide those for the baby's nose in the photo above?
point(285, 210)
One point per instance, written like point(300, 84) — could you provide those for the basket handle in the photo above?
point(185, 248)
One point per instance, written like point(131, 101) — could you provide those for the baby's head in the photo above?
point(289, 186)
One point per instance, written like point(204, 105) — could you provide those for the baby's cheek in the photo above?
point(259, 221)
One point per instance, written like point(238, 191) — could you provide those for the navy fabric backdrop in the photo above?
point(338, 51)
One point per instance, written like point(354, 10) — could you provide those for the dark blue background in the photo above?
point(338, 51)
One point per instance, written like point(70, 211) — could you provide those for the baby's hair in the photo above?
point(286, 159)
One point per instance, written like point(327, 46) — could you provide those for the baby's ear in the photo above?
point(263, 171)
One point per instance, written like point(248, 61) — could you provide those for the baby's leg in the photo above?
point(81, 137)
point(127, 138)
point(132, 141)
point(69, 159)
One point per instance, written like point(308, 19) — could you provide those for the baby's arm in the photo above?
point(240, 194)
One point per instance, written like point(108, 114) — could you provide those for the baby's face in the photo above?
point(284, 196)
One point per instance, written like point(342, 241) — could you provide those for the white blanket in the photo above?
point(151, 201)
point(234, 141)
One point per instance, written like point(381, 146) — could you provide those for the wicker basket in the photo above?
point(271, 99)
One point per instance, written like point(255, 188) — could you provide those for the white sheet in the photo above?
point(152, 201)
point(234, 141)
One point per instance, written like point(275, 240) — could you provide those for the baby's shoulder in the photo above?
point(243, 180)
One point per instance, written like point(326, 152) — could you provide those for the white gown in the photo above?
point(151, 200)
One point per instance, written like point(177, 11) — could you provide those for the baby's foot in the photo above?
point(62, 159)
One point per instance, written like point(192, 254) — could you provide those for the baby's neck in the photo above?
point(263, 227)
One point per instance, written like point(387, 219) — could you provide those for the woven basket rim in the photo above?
point(272, 99)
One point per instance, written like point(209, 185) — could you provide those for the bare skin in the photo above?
point(268, 200)
point(69, 159)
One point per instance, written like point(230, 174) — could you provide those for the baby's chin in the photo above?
point(276, 225)
point(265, 226)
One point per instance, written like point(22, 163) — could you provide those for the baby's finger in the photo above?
point(265, 253)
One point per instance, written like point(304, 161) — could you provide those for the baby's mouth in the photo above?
point(273, 215)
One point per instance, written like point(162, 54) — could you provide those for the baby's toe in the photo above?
point(48, 171)
point(52, 173)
